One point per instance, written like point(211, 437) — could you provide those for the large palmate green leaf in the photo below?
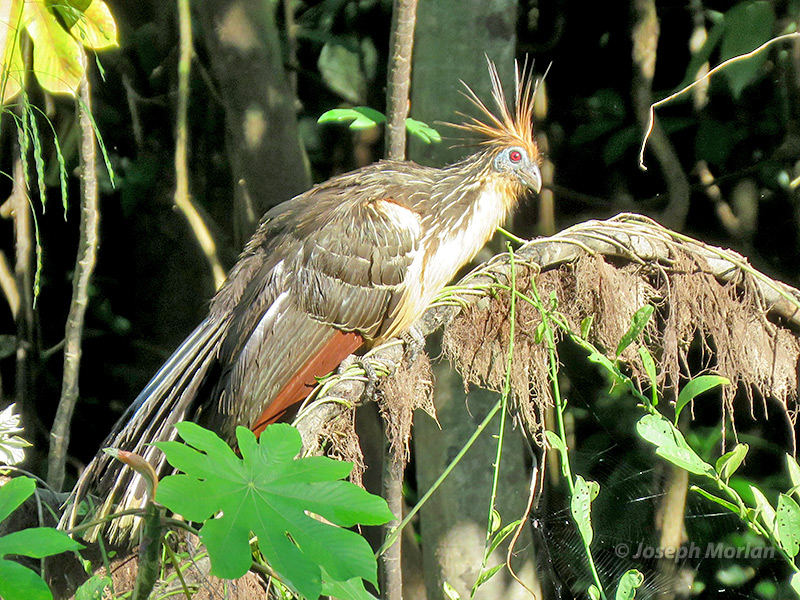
point(273, 494)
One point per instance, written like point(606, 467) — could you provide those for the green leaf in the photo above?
point(423, 131)
point(650, 368)
point(450, 591)
point(628, 584)
point(20, 583)
point(795, 583)
point(581, 506)
point(787, 525)
point(268, 492)
point(747, 26)
point(721, 501)
point(95, 27)
point(93, 588)
point(728, 463)
point(794, 474)
point(495, 521)
point(556, 442)
point(764, 509)
point(671, 445)
point(605, 362)
point(487, 575)
point(352, 589)
point(638, 323)
point(695, 387)
point(14, 493)
point(13, 69)
point(363, 117)
point(340, 68)
point(58, 59)
point(586, 326)
point(501, 535)
point(37, 542)
point(593, 592)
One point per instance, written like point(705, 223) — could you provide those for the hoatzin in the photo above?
point(351, 262)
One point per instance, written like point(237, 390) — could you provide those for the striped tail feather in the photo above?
point(170, 397)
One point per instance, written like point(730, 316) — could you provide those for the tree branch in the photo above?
point(84, 266)
point(182, 198)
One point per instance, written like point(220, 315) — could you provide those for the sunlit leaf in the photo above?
point(671, 445)
point(487, 575)
point(13, 68)
point(423, 131)
point(581, 506)
point(794, 474)
point(695, 387)
point(502, 535)
point(795, 583)
point(764, 509)
point(450, 591)
point(787, 525)
point(58, 59)
point(93, 588)
point(728, 463)
point(556, 442)
point(270, 493)
point(362, 117)
point(20, 583)
point(96, 27)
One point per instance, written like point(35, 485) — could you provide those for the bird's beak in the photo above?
point(531, 178)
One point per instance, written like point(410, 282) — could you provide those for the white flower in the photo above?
point(11, 446)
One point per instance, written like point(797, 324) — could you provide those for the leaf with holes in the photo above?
point(787, 525)
point(581, 506)
point(275, 496)
point(671, 445)
point(628, 584)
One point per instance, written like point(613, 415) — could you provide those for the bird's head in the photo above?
point(507, 135)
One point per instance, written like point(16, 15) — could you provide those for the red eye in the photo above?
point(515, 156)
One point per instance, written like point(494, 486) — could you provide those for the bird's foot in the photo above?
point(414, 342)
point(370, 373)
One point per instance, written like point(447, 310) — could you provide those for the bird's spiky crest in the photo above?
point(507, 127)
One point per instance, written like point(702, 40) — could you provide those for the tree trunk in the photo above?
point(454, 521)
point(268, 161)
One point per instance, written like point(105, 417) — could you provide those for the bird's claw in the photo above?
point(369, 372)
point(414, 342)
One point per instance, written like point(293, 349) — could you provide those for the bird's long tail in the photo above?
point(168, 399)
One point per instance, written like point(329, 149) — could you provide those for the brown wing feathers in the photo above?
point(327, 271)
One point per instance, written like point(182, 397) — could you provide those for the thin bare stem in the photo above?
point(182, 198)
point(652, 112)
point(84, 266)
point(404, 19)
point(401, 44)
